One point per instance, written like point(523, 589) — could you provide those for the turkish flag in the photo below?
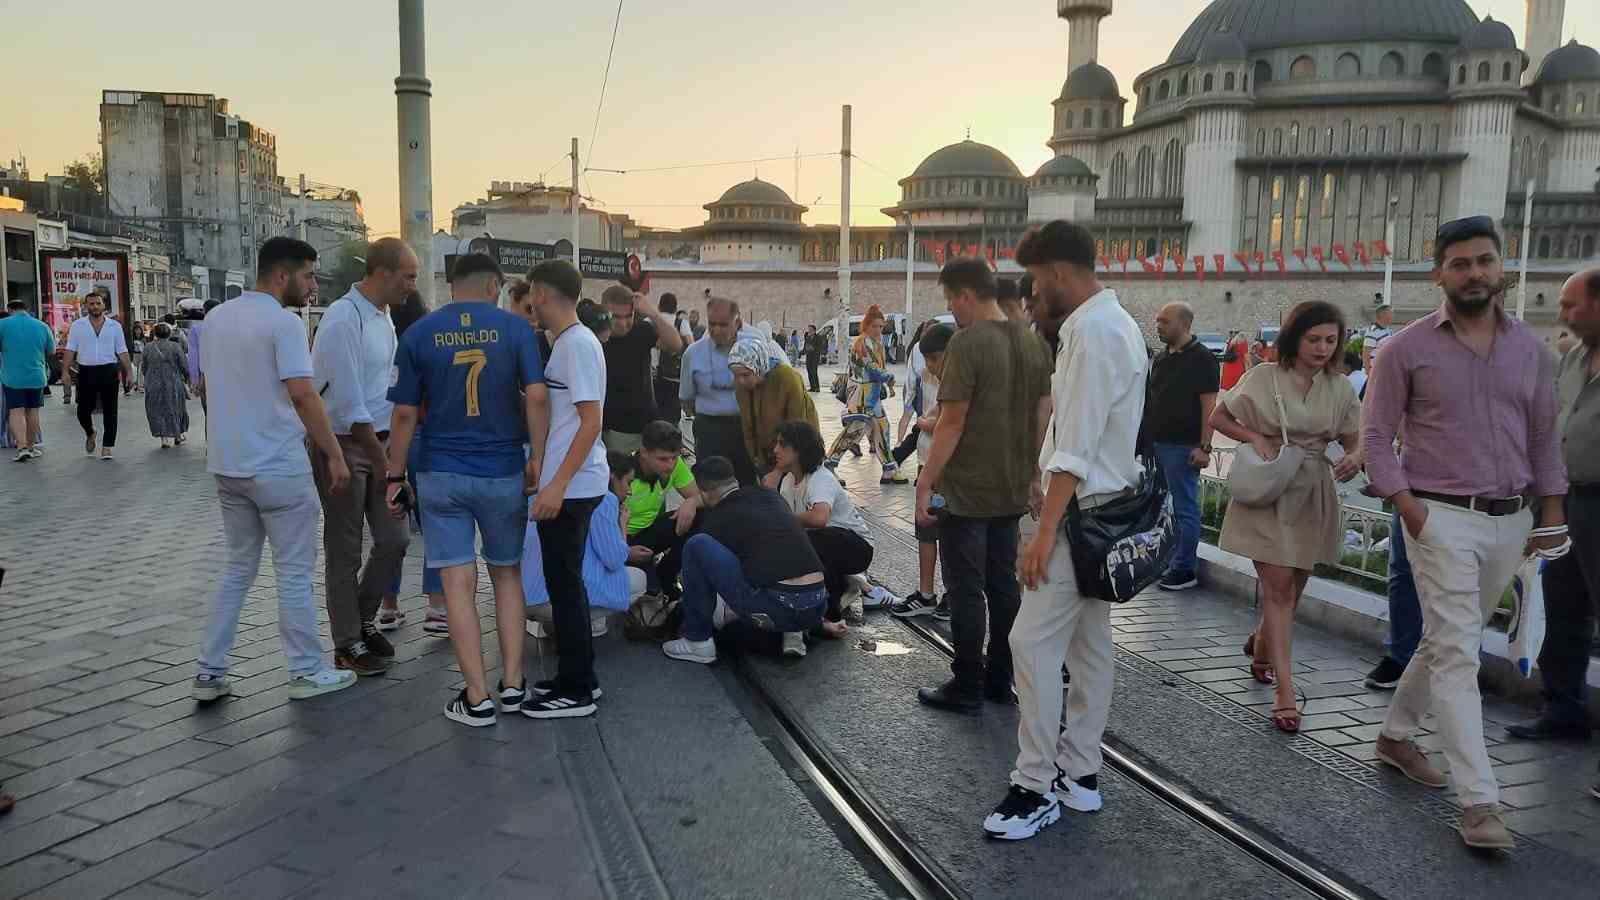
point(1341, 254)
point(1361, 253)
point(938, 254)
point(1220, 261)
point(1277, 257)
point(1179, 262)
point(1244, 260)
point(1149, 267)
point(1200, 268)
point(1317, 254)
point(1380, 249)
point(1300, 255)
point(1261, 260)
point(1105, 263)
point(1161, 264)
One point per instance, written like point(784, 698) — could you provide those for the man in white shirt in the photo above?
point(573, 477)
point(1382, 325)
point(1098, 394)
point(352, 360)
point(97, 346)
point(255, 448)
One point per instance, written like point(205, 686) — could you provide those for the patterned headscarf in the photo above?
point(753, 354)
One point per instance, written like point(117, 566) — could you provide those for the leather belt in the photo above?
point(1489, 506)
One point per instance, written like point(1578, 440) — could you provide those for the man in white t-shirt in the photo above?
point(573, 477)
point(98, 349)
point(255, 448)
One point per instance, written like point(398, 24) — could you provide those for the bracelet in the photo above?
point(1548, 531)
point(1555, 552)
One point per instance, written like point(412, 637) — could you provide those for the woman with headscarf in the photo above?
point(870, 383)
point(165, 366)
point(770, 392)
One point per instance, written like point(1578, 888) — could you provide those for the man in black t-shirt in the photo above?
point(753, 552)
point(636, 329)
point(813, 349)
point(1182, 393)
point(668, 368)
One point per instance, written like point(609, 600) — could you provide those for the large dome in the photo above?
point(1091, 81)
point(1262, 24)
point(967, 158)
point(756, 192)
point(1574, 62)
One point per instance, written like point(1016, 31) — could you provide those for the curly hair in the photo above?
point(802, 437)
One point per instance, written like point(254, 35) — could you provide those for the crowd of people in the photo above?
point(520, 402)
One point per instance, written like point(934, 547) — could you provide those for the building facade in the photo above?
point(536, 213)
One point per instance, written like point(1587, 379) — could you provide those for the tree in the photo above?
point(348, 266)
point(87, 174)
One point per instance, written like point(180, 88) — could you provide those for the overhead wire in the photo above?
point(605, 80)
point(708, 165)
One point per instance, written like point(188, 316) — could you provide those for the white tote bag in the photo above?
point(1257, 482)
point(1527, 619)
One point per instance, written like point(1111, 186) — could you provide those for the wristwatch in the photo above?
point(1206, 449)
point(396, 479)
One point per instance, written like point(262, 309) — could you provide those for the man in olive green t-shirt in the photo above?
point(994, 402)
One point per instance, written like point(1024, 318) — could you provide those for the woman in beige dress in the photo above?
point(1302, 529)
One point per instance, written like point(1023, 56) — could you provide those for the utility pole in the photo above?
point(300, 227)
point(1527, 236)
point(577, 217)
point(412, 92)
point(911, 265)
point(842, 330)
point(1388, 258)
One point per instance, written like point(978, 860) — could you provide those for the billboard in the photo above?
point(70, 276)
point(517, 257)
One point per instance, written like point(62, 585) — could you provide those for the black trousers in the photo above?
point(662, 537)
point(723, 436)
point(97, 389)
point(811, 373)
point(980, 569)
point(668, 407)
point(561, 543)
point(843, 553)
point(1571, 603)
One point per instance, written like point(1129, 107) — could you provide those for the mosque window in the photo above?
point(1416, 139)
point(1172, 169)
point(1261, 142)
point(1392, 64)
point(1436, 130)
point(1263, 72)
point(1348, 65)
point(1461, 75)
point(1227, 81)
point(1119, 177)
point(1302, 210)
point(1364, 145)
point(1164, 90)
point(1144, 173)
point(1383, 138)
point(1544, 247)
point(1433, 66)
point(1328, 148)
point(1505, 72)
point(1555, 103)
point(1346, 144)
point(1303, 67)
point(1294, 138)
point(1183, 87)
point(1578, 104)
point(1277, 142)
point(1588, 247)
point(1146, 100)
point(1209, 84)
point(1105, 118)
point(1544, 165)
point(1069, 118)
point(1483, 71)
point(1275, 235)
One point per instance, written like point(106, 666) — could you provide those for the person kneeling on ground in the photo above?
point(655, 536)
point(612, 584)
point(837, 531)
point(752, 552)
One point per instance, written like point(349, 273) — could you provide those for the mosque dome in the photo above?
point(1490, 35)
point(1574, 62)
point(1091, 81)
point(968, 158)
point(1265, 24)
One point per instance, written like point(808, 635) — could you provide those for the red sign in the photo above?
point(68, 278)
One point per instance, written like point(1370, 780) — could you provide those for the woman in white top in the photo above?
point(838, 532)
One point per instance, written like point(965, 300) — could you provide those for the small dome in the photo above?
point(1489, 35)
point(1091, 81)
point(1064, 165)
point(756, 192)
point(1223, 46)
point(967, 158)
point(1574, 62)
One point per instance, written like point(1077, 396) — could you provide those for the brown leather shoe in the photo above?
point(1482, 827)
point(1410, 760)
point(360, 660)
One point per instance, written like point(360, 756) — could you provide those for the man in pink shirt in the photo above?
point(1474, 391)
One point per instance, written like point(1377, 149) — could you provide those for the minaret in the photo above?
point(1083, 20)
point(1542, 35)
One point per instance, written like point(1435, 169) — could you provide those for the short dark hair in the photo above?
point(713, 470)
point(409, 312)
point(1352, 360)
point(622, 464)
point(16, 305)
point(475, 264)
point(802, 437)
point(617, 295)
point(669, 303)
point(935, 339)
point(283, 251)
point(163, 331)
point(1306, 315)
point(1057, 241)
point(559, 276)
point(969, 273)
point(661, 435)
point(386, 253)
point(1458, 231)
point(1005, 290)
point(210, 305)
point(594, 317)
point(170, 319)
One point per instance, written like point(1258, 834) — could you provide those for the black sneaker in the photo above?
point(511, 699)
point(1545, 728)
point(360, 659)
point(1003, 694)
point(548, 686)
point(952, 697)
point(459, 710)
point(1385, 675)
point(1022, 814)
point(1179, 581)
point(941, 611)
point(913, 605)
point(560, 704)
point(376, 642)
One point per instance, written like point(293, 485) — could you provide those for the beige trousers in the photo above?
point(1056, 624)
point(1462, 562)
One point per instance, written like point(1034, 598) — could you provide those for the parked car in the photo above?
point(1216, 343)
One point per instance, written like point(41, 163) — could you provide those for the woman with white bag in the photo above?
point(1284, 514)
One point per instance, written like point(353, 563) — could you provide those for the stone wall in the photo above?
point(794, 299)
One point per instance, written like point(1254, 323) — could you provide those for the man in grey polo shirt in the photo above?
point(706, 389)
point(255, 447)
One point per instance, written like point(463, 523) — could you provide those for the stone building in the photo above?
point(752, 221)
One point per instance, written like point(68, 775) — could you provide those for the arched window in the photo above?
point(1544, 165)
point(1172, 169)
point(1416, 139)
point(1578, 104)
point(1294, 138)
point(1146, 100)
point(1483, 71)
point(1588, 247)
point(1227, 81)
point(1505, 72)
point(1348, 65)
point(1392, 64)
point(1164, 90)
point(1263, 72)
point(1461, 75)
point(1433, 66)
point(1069, 118)
point(1183, 87)
point(1302, 67)
point(1119, 177)
point(1105, 117)
point(1544, 247)
point(1245, 83)
point(1383, 139)
point(1261, 142)
point(1144, 173)
point(1277, 142)
point(1364, 145)
point(1346, 144)
point(1555, 103)
point(1208, 84)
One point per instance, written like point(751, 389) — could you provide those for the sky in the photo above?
point(692, 81)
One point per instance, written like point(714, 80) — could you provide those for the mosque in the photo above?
point(1291, 131)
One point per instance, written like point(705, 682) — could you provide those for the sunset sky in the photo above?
point(693, 81)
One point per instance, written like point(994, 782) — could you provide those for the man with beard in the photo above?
point(97, 346)
point(1471, 388)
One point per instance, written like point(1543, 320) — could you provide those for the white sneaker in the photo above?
point(1022, 814)
point(703, 652)
point(323, 681)
point(35, 452)
point(210, 688)
point(22, 456)
point(1076, 796)
point(722, 614)
point(794, 644)
point(877, 597)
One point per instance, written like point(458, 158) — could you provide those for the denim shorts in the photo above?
point(450, 506)
point(24, 398)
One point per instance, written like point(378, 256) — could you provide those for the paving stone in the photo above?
point(109, 840)
point(48, 802)
point(41, 835)
point(53, 661)
point(99, 697)
point(1543, 820)
point(265, 883)
point(129, 800)
point(247, 753)
point(183, 753)
point(28, 700)
point(69, 725)
point(27, 875)
point(117, 873)
point(26, 719)
point(67, 747)
point(46, 777)
point(113, 676)
point(151, 891)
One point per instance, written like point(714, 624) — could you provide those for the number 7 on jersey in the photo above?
point(474, 360)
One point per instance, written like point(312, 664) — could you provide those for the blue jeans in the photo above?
point(452, 504)
point(1405, 610)
point(709, 569)
point(1183, 483)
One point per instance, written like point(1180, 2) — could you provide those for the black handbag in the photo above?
point(1125, 545)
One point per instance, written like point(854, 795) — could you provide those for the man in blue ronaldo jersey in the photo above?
point(477, 372)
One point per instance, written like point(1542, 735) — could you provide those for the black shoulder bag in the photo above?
point(1123, 546)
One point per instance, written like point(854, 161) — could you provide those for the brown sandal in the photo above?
point(1286, 719)
point(1260, 671)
